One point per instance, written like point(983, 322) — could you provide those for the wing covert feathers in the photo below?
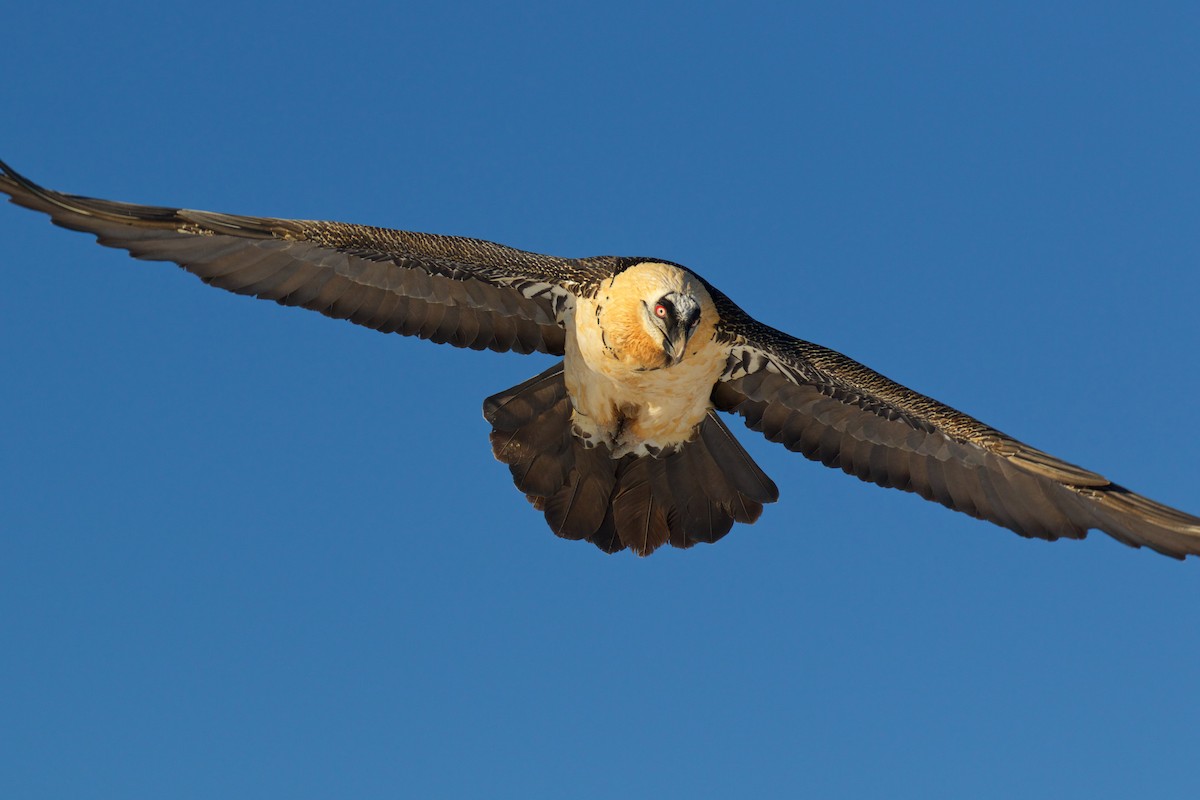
point(691, 495)
point(831, 409)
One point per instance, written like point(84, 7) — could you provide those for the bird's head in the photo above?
point(657, 314)
point(672, 318)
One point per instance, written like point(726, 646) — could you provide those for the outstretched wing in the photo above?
point(834, 410)
point(464, 292)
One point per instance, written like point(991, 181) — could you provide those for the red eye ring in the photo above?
point(660, 311)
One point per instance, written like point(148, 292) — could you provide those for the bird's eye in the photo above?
point(660, 311)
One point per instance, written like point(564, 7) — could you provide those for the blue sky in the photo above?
point(248, 551)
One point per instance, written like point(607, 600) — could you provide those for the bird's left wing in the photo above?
point(834, 410)
point(465, 292)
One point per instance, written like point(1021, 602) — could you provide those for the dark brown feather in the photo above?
point(640, 516)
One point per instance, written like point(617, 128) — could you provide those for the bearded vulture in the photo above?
point(619, 443)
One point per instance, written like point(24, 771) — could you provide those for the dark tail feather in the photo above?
point(713, 482)
point(640, 504)
point(582, 507)
point(692, 494)
point(531, 432)
point(571, 484)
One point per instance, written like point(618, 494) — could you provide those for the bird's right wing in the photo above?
point(832, 409)
point(465, 292)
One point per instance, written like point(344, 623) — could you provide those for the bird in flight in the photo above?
point(619, 444)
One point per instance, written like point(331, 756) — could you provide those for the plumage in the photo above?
point(620, 443)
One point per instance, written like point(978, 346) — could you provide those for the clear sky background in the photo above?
point(248, 551)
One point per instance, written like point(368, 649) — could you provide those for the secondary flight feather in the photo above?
point(620, 443)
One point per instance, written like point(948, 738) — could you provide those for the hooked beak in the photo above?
point(680, 327)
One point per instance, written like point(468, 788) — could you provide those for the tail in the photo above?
point(692, 494)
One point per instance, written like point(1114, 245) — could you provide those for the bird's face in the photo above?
point(655, 315)
point(672, 318)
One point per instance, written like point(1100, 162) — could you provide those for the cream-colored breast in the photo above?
point(623, 391)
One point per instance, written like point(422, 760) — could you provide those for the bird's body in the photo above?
point(620, 444)
point(623, 390)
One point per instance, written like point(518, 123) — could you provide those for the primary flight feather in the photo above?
point(620, 444)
